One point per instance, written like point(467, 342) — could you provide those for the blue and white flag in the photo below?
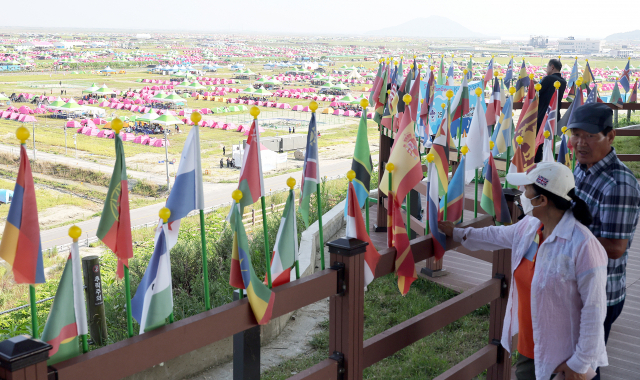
point(509, 74)
point(153, 301)
point(625, 76)
point(574, 75)
point(593, 95)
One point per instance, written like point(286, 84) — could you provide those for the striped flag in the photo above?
point(376, 85)
point(549, 121)
point(502, 132)
point(251, 182)
point(493, 200)
point(460, 105)
point(405, 265)
point(517, 162)
point(285, 250)
point(494, 106)
point(361, 164)
point(356, 229)
point(440, 150)
point(114, 228)
point(488, 76)
point(20, 245)
point(381, 99)
point(441, 77)
point(477, 142)
point(424, 107)
point(187, 193)
point(523, 81)
point(587, 76)
point(261, 298)
point(470, 69)
point(527, 129)
point(439, 238)
point(574, 74)
point(68, 315)
point(310, 170)
point(563, 152)
point(455, 195)
point(508, 76)
point(153, 302)
point(633, 98)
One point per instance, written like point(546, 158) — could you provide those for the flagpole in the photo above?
point(237, 195)
point(165, 214)
point(475, 203)
point(449, 95)
point(512, 91)
point(74, 233)
point(291, 182)
point(407, 100)
point(364, 103)
point(313, 106)
point(461, 115)
point(556, 84)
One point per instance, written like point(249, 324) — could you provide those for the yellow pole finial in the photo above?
point(556, 84)
point(75, 232)
point(390, 167)
point(291, 182)
point(255, 111)
point(464, 150)
point(313, 106)
point(564, 129)
point(478, 91)
point(519, 140)
point(164, 214)
point(364, 103)
point(491, 145)
point(351, 175)
point(537, 86)
point(236, 195)
point(116, 125)
point(196, 117)
point(512, 90)
point(22, 133)
point(449, 94)
point(546, 134)
point(430, 157)
point(406, 98)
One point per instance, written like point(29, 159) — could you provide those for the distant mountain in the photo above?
point(626, 36)
point(428, 27)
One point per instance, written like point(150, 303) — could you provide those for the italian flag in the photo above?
point(68, 316)
point(115, 223)
point(285, 251)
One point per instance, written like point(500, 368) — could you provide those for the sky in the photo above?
point(579, 18)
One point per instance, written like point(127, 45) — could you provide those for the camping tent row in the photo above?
point(140, 139)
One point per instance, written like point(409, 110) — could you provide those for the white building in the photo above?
point(143, 36)
point(621, 53)
point(571, 45)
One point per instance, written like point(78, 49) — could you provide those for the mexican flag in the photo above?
point(115, 223)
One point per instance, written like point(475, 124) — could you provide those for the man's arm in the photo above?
point(615, 248)
point(618, 213)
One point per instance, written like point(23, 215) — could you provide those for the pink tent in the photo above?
point(98, 121)
point(14, 116)
point(297, 108)
point(350, 113)
point(159, 143)
point(240, 128)
point(73, 124)
point(142, 139)
point(88, 131)
point(90, 123)
point(6, 114)
point(338, 112)
point(21, 117)
point(205, 111)
point(103, 104)
point(105, 133)
point(306, 109)
point(133, 108)
point(246, 131)
point(284, 106)
point(24, 109)
point(127, 136)
point(79, 130)
point(39, 110)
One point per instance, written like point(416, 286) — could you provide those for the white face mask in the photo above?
point(527, 207)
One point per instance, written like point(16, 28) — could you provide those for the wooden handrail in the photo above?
point(325, 370)
point(473, 365)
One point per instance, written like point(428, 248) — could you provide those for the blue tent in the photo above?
point(107, 70)
point(6, 196)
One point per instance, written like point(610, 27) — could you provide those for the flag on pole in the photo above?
point(356, 229)
point(493, 200)
point(587, 75)
point(153, 302)
point(616, 97)
point(450, 74)
point(428, 100)
point(251, 182)
point(460, 105)
point(310, 170)
point(414, 91)
point(633, 98)
point(477, 142)
point(376, 85)
point(439, 238)
point(381, 100)
point(489, 75)
point(361, 164)
point(593, 95)
point(527, 129)
point(625, 79)
point(440, 150)
point(405, 265)
point(285, 250)
point(20, 245)
point(494, 106)
point(502, 132)
point(549, 121)
point(455, 195)
point(563, 152)
point(404, 155)
point(517, 162)
point(508, 76)
point(574, 74)
point(523, 81)
point(470, 69)
point(68, 315)
point(441, 77)
point(187, 193)
point(114, 228)
point(261, 298)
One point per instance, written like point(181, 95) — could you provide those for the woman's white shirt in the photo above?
point(568, 291)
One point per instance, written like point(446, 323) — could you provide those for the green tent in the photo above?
point(234, 109)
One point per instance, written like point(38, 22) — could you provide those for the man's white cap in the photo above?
point(554, 177)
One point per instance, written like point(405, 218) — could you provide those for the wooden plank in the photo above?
point(629, 157)
point(325, 370)
point(473, 365)
point(627, 132)
point(410, 331)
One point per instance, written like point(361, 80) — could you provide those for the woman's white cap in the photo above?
point(554, 177)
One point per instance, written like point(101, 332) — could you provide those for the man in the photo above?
point(546, 93)
point(612, 194)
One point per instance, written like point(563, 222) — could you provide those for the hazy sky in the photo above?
point(493, 17)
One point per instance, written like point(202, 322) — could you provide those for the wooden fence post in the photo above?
point(253, 216)
point(246, 351)
point(346, 308)
point(502, 269)
point(24, 358)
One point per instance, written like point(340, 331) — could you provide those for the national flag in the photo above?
point(549, 121)
point(261, 298)
point(502, 132)
point(439, 238)
point(587, 76)
point(20, 245)
point(625, 79)
point(361, 165)
point(440, 149)
point(563, 152)
point(477, 142)
point(450, 74)
point(251, 182)
point(392, 102)
point(356, 229)
point(187, 193)
point(633, 98)
point(455, 195)
point(592, 96)
point(616, 97)
point(488, 76)
point(517, 162)
point(509, 74)
point(428, 100)
point(153, 302)
point(414, 91)
point(568, 116)
point(574, 74)
point(403, 89)
point(460, 105)
point(441, 77)
point(572, 94)
point(399, 73)
point(405, 265)
point(531, 93)
point(285, 250)
point(470, 69)
point(523, 81)
point(310, 170)
point(527, 129)
point(68, 315)
point(494, 106)
point(381, 99)
point(493, 200)
point(114, 228)
point(376, 85)
point(404, 155)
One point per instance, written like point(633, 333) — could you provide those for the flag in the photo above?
point(460, 105)
point(517, 162)
point(455, 195)
point(381, 99)
point(563, 152)
point(261, 298)
point(493, 200)
point(549, 121)
point(356, 229)
point(527, 129)
point(489, 75)
point(587, 76)
point(522, 82)
point(441, 77)
point(404, 155)
point(502, 132)
point(310, 170)
point(450, 74)
point(633, 98)
point(424, 107)
point(440, 150)
point(153, 302)
point(625, 79)
point(68, 315)
point(285, 250)
point(251, 182)
point(477, 142)
point(414, 91)
point(405, 265)
point(439, 238)
point(531, 93)
point(572, 94)
point(376, 84)
point(470, 69)
point(20, 245)
point(616, 97)
point(494, 106)
point(593, 95)
point(114, 228)
point(392, 102)
point(509, 74)
point(362, 165)
point(187, 193)
point(574, 74)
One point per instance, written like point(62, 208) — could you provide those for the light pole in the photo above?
point(166, 159)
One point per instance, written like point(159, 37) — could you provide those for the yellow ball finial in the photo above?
point(579, 81)
point(465, 71)
point(531, 76)
point(432, 67)
point(390, 166)
point(564, 129)
point(492, 56)
point(116, 125)
point(559, 57)
point(411, 65)
point(406, 98)
point(519, 140)
point(420, 66)
point(236, 195)
point(586, 60)
point(491, 145)
point(313, 106)
point(537, 86)
point(75, 232)
point(291, 182)
point(430, 157)
point(364, 103)
point(443, 106)
point(164, 214)
point(478, 91)
point(496, 73)
point(546, 134)
point(22, 133)
point(576, 57)
point(255, 111)
point(421, 101)
point(351, 175)
point(414, 56)
point(395, 63)
point(401, 57)
point(196, 117)
point(556, 84)
point(512, 90)
point(449, 94)
point(464, 150)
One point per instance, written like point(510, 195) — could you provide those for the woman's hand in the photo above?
point(446, 227)
point(569, 374)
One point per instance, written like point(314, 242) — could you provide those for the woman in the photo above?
point(557, 299)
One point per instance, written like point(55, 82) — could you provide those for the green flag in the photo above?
point(441, 76)
point(382, 100)
point(361, 164)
